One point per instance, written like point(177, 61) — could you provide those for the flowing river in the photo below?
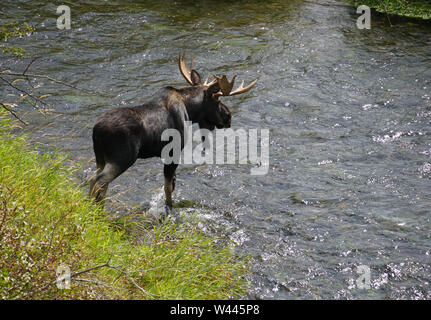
point(348, 111)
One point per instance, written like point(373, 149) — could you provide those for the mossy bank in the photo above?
point(404, 8)
point(48, 226)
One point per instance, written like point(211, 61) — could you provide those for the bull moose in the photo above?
point(122, 135)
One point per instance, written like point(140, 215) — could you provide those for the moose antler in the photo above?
point(183, 68)
point(226, 86)
point(207, 84)
point(187, 74)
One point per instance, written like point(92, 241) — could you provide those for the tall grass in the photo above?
point(46, 222)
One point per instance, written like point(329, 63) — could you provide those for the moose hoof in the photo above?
point(168, 210)
point(168, 204)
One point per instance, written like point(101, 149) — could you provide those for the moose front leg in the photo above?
point(170, 177)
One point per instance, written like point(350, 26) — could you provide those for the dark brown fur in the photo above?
point(123, 135)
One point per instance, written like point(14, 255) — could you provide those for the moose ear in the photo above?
point(195, 77)
point(214, 88)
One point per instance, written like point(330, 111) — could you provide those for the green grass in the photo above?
point(406, 8)
point(47, 221)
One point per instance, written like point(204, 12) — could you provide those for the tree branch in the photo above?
point(28, 66)
point(23, 91)
point(4, 72)
point(103, 265)
point(13, 113)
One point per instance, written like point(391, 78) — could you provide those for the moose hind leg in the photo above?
point(100, 184)
point(170, 178)
point(93, 179)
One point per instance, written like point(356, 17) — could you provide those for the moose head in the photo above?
point(207, 109)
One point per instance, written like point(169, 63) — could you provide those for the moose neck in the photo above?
point(193, 98)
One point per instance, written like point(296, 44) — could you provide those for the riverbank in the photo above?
point(404, 8)
point(47, 226)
